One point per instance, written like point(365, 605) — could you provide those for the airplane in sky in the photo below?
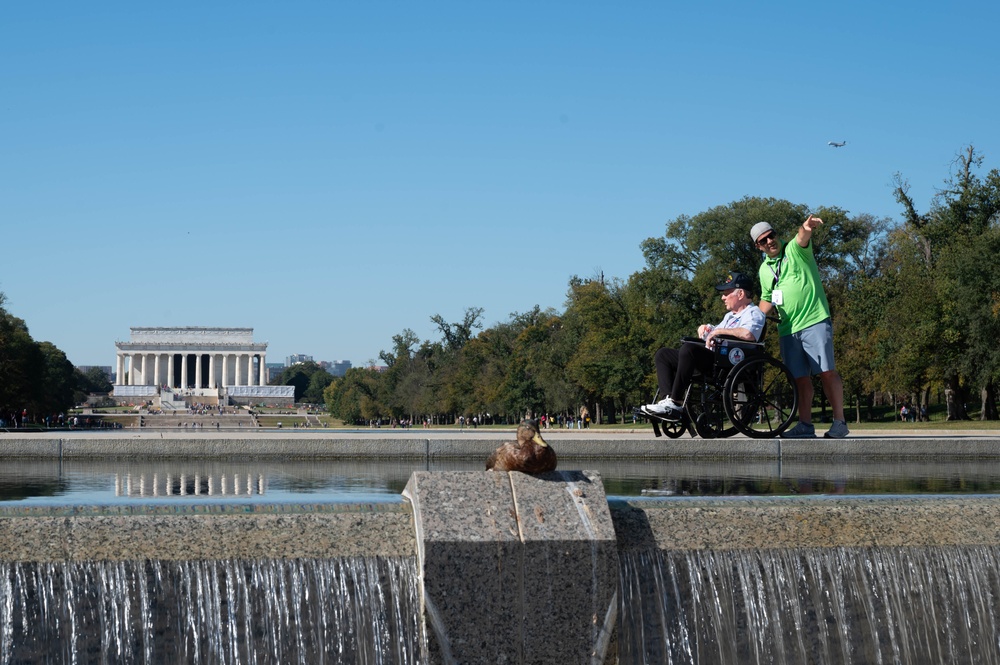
point(837, 144)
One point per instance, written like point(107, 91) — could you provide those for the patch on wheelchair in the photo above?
point(736, 356)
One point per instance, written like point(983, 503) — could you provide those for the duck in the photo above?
point(529, 454)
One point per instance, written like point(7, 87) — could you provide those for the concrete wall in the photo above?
point(793, 523)
point(414, 444)
point(331, 530)
point(200, 532)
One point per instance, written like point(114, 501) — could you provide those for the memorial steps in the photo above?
point(186, 419)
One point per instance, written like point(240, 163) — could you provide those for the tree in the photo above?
point(318, 382)
point(94, 380)
point(58, 381)
point(309, 380)
point(859, 298)
point(457, 334)
point(354, 398)
point(22, 367)
point(613, 353)
point(943, 247)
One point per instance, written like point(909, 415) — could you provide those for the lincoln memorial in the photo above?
point(211, 364)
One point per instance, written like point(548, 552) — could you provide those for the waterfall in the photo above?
point(837, 605)
point(353, 610)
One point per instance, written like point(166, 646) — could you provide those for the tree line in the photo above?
point(36, 378)
point(915, 304)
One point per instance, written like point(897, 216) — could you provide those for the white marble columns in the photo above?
point(191, 369)
point(192, 357)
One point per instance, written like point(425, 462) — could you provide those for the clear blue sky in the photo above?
point(330, 173)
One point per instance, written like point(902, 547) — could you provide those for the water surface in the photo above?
point(112, 482)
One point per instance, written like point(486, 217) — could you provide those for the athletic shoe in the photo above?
point(666, 408)
point(838, 430)
point(800, 431)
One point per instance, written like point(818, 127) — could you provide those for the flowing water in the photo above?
point(864, 605)
point(362, 610)
point(859, 605)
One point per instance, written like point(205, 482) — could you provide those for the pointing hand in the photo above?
point(812, 222)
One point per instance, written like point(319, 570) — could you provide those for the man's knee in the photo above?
point(687, 351)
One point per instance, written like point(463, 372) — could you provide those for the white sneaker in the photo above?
point(666, 407)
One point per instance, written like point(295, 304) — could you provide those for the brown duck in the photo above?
point(529, 454)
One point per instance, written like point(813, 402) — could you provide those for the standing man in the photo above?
point(790, 282)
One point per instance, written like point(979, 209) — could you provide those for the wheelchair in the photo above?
point(747, 391)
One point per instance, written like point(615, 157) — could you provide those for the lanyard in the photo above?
point(777, 273)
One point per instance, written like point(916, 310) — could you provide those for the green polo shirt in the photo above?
point(803, 299)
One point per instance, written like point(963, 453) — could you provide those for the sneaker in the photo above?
point(838, 430)
point(801, 431)
point(666, 408)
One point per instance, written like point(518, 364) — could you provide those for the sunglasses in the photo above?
point(763, 240)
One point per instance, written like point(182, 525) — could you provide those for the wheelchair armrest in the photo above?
point(732, 340)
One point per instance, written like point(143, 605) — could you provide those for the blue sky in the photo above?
point(330, 173)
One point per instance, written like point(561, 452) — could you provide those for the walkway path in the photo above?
point(444, 443)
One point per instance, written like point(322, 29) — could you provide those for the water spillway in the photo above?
point(510, 568)
point(836, 605)
point(209, 584)
point(846, 580)
point(348, 610)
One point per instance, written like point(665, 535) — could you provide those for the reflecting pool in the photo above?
point(111, 482)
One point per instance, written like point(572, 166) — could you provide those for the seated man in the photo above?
point(675, 367)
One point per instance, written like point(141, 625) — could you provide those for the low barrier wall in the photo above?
point(316, 444)
point(205, 532)
point(388, 529)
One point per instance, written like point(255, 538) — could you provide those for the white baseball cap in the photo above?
point(759, 229)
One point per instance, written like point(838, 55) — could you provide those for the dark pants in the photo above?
point(675, 367)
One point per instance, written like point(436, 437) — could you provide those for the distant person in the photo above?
point(790, 283)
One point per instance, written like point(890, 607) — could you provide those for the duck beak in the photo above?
point(539, 440)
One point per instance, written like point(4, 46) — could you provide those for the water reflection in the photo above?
point(115, 481)
point(172, 484)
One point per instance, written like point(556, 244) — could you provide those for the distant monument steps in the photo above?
point(184, 418)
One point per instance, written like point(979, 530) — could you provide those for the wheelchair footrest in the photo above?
point(652, 417)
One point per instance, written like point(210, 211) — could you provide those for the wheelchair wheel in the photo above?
point(704, 408)
point(674, 428)
point(760, 397)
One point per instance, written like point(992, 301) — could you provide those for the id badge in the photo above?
point(776, 297)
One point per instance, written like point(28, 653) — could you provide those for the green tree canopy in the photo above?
point(309, 380)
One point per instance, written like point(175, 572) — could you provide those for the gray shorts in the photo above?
point(809, 351)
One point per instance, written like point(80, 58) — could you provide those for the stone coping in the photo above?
point(108, 510)
point(730, 523)
point(429, 444)
point(131, 532)
point(117, 533)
